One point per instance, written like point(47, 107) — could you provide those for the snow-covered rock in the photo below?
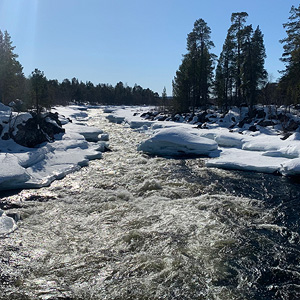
point(176, 141)
point(262, 151)
point(22, 167)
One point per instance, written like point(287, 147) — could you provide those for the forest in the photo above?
point(236, 78)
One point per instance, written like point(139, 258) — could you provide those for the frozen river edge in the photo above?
point(23, 167)
point(264, 152)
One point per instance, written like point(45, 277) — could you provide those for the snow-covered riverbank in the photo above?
point(261, 151)
point(23, 167)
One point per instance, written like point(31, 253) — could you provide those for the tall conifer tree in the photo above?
point(11, 75)
point(290, 81)
point(240, 70)
point(193, 80)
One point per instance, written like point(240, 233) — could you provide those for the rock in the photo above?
point(265, 123)
point(144, 115)
point(253, 128)
point(38, 129)
point(260, 114)
point(246, 120)
point(292, 126)
point(286, 136)
point(161, 118)
point(5, 136)
point(104, 137)
point(202, 118)
point(283, 118)
point(8, 205)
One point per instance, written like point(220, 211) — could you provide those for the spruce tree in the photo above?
point(39, 95)
point(164, 98)
point(191, 85)
point(236, 31)
point(254, 73)
point(224, 80)
point(11, 75)
point(182, 87)
point(290, 81)
point(240, 70)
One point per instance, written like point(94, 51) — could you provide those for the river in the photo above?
point(130, 226)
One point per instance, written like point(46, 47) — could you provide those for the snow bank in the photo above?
point(23, 167)
point(291, 167)
point(238, 159)
point(176, 141)
point(261, 151)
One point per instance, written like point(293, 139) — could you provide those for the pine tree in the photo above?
point(253, 71)
point(290, 81)
point(39, 95)
point(236, 31)
point(224, 80)
point(191, 85)
point(240, 70)
point(11, 75)
point(182, 87)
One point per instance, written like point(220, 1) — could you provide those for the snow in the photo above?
point(23, 167)
point(262, 151)
point(129, 115)
point(175, 141)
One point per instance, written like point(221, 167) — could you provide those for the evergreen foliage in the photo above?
point(191, 85)
point(290, 81)
point(39, 95)
point(37, 91)
point(11, 76)
point(240, 76)
point(240, 70)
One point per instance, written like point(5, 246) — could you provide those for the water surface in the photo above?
point(131, 226)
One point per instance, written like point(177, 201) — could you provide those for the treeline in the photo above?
point(52, 92)
point(37, 91)
point(238, 76)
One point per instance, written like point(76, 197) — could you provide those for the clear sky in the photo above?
point(133, 41)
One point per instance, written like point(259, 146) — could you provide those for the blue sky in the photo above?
point(133, 41)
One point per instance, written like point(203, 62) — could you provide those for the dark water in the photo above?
point(131, 226)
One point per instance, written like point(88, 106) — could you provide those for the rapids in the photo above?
point(130, 226)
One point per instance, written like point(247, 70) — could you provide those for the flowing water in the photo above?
point(131, 226)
